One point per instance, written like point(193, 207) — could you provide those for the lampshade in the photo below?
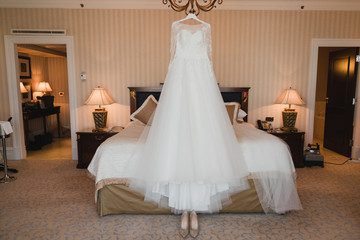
point(22, 88)
point(43, 87)
point(99, 96)
point(290, 96)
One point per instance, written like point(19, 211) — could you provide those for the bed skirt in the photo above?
point(120, 199)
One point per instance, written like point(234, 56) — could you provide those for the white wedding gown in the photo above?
point(189, 159)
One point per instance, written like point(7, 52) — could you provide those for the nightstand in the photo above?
point(295, 140)
point(88, 142)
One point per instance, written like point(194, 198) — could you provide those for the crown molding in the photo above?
point(319, 5)
point(88, 4)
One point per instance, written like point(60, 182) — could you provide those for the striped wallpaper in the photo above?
point(59, 82)
point(265, 50)
point(39, 73)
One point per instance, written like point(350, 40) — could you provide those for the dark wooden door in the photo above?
point(341, 86)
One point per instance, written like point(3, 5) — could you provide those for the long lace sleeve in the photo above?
point(209, 43)
point(172, 41)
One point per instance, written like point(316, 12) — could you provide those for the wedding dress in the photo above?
point(188, 158)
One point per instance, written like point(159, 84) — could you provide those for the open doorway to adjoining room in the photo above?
point(334, 113)
point(45, 100)
point(18, 150)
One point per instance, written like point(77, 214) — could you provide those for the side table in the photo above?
point(295, 140)
point(88, 142)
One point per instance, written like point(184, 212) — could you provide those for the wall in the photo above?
point(265, 50)
point(58, 80)
point(39, 72)
point(321, 86)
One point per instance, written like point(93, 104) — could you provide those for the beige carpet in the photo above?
point(54, 200)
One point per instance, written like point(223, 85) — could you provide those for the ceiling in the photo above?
point(347, 5)
point(43, 50)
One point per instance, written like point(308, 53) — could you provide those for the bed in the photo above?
point(114, 197)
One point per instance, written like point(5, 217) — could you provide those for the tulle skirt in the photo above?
point(271, 168)
point(188, 157)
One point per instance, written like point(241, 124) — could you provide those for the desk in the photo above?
point(40, 113)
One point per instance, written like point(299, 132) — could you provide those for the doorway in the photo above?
point(315, 45)
point(18, 150)
point(334, 106)
point(43, 73)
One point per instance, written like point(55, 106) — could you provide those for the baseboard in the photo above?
point(12, 153)
point(40, 132)
point(75, 153)
point(355, 160)
point(356, 152)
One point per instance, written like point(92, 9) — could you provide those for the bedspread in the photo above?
point(110, 159)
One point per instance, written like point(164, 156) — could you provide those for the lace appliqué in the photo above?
point(204, 28)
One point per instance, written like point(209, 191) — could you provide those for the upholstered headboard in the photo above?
point(230, 94)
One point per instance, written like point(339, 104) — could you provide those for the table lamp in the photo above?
point(99, 96)
point(44, 87)
point(22, 88)
point(289, 96)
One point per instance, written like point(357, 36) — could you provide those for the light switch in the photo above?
point(83, 76)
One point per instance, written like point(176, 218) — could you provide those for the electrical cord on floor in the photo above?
point(338, 163)
point(2, 168)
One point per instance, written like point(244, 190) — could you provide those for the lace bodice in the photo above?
point(190, 41)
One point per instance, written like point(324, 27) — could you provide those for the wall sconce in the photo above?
point(99, 96)
point(289, 96)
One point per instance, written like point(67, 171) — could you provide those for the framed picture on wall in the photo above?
point(24, 67)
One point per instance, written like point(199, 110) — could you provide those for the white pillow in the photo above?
point(144, 113)
point(232, 109)
point(241, 115)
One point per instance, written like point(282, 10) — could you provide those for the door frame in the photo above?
point(18, 151)
point(315, 44)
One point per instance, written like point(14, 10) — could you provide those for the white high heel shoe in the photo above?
point(194, 225)
point(184, 225)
